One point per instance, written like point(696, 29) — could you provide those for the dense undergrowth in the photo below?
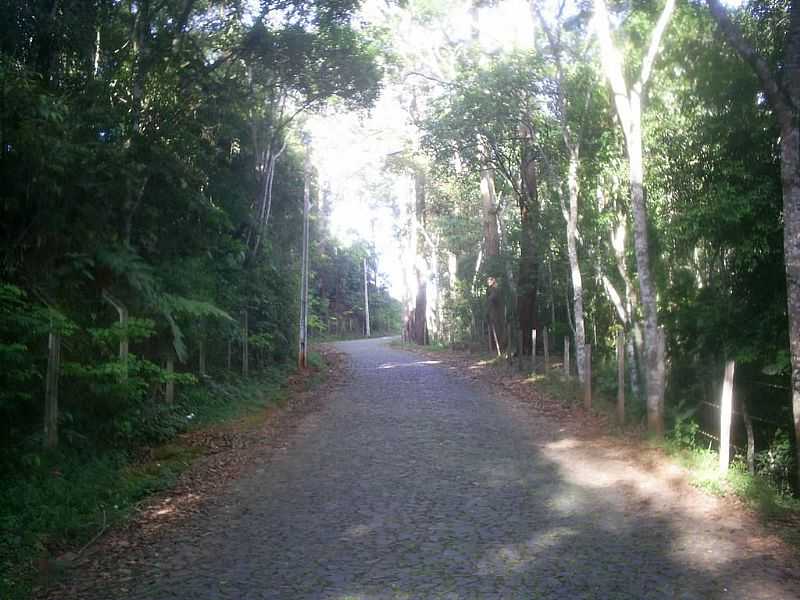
point(55, 502)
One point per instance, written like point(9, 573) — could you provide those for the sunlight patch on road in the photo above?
point(480, 364)
point(511, 558)
point(413, 364)
point(563, 444)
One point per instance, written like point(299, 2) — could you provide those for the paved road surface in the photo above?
point(414, 482)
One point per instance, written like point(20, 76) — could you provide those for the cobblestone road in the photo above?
point(414, 482)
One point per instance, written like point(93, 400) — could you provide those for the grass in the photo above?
point(61, 500)
point(702, 465)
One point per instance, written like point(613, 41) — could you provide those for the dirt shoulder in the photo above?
point(225, 452)
point(594, 451)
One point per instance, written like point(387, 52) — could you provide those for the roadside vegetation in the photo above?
point(65, 498)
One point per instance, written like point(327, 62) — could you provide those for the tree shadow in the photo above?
point(416, 484)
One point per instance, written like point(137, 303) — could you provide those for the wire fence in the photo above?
point(736, 412)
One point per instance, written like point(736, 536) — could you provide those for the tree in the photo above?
point(628, 103)
point(781, 86)
point(571, 135)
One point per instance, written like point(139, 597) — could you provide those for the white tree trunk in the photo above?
point(629, 111)
point(122, 312)
point(656, 372)
point(725, 414)
point(302, 353)
point(366, 301)
point(574, 265)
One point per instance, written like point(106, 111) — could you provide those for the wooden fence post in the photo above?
point(566, 356)
point(620, 377)
point(725, 411)
point(546, 349)
point(202, 358)
point(245, 344)
point(587, 383)
point(169, 391)
point(51, 390)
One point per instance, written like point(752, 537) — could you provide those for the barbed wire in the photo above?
point(716, 439)
point(736, 412)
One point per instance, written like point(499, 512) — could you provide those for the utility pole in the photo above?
point(366, 300)
point(302, 355)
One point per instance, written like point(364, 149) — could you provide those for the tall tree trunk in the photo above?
point(366, 301)
point(263, 207)
point(420, 325)
point(528, 284)
point(574, 266)
point(302, 354)
point(51, 390)
point(495, 305)
point(653, 340)
point(790, 175)
point(627, 102)
point(572, 145)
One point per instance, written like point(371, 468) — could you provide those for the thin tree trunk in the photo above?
point(169, 388)
point(527, 283)
point(420, 329)
point(633, 370)
point(751, 440)
point(587, 381)
point(574, 265)
point(366, 301)
point(302, 354)
point(572, 145)
point(245, 344)
point(202, 358)
point(51, 390)
point(122, 311)
point(620, 378)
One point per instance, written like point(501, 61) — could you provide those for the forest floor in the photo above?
point(433, 476)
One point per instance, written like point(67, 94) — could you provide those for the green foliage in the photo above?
point(337, 293)
point(129, 179)
point(63, 498)
point(776, 462)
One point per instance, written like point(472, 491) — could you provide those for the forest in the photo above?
point(600, 169)
point(152, 169)
point(617, 169)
